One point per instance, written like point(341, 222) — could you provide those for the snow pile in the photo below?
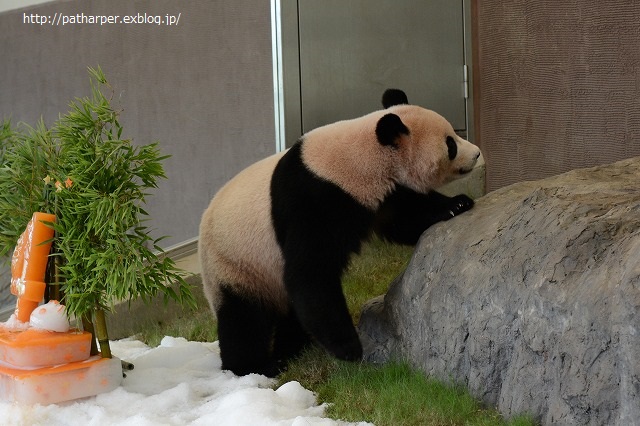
point(179, 383)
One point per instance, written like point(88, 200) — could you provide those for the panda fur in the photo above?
point(276, 239)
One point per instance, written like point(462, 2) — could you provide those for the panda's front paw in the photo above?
point(458, 204)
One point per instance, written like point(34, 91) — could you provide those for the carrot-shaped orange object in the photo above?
point(29, 264)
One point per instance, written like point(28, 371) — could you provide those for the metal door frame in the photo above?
point(286, 71)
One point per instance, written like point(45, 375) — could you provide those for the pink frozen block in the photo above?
point(34, 348)
point(50, 385)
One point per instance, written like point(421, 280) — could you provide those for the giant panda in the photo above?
point(276, 239)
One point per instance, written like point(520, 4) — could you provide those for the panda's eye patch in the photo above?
point(452, 147)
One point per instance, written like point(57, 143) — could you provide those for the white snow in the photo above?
point(179, 383)
point(13, 323)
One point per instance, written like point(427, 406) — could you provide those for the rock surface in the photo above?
point(531, 300)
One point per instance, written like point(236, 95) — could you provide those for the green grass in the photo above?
point(392, 394)
point(371, 272)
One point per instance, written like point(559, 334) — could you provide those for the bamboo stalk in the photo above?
point(55, 291)
point(87, 325)
point(50, 280)
point(103, 336)
point(54, 283)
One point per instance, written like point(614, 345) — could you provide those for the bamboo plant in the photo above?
point(96, 183)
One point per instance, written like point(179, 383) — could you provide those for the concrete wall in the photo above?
point(203, 88)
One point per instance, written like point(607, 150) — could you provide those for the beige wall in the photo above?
point(557, 85)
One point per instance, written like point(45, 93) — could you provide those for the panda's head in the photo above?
point(429, 151)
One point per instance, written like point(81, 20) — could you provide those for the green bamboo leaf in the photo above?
point(99, 228)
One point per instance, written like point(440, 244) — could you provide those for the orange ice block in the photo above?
point(50, 385)
point(29, 264)
point(34, 348)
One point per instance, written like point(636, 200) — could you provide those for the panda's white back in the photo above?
point(237, 241)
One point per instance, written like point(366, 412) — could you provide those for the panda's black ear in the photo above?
point(389, 128)
point(392, 97)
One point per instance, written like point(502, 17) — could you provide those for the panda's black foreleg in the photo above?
point(406, 214)
point(245, 330)
point(321, 308)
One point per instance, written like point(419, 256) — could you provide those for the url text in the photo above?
point(59, 19)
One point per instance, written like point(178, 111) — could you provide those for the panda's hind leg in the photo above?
point(245, 331)
point(290, 338)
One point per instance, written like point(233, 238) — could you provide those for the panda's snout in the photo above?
point(472, 162)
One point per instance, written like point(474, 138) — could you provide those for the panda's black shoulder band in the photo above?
point(389, 128)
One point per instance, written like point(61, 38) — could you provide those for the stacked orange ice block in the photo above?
point(58, 382)
point(39, 366)
point(29, 264)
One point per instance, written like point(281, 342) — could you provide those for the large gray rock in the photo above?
point(531, 300)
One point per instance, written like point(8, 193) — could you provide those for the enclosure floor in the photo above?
point(190, 263)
